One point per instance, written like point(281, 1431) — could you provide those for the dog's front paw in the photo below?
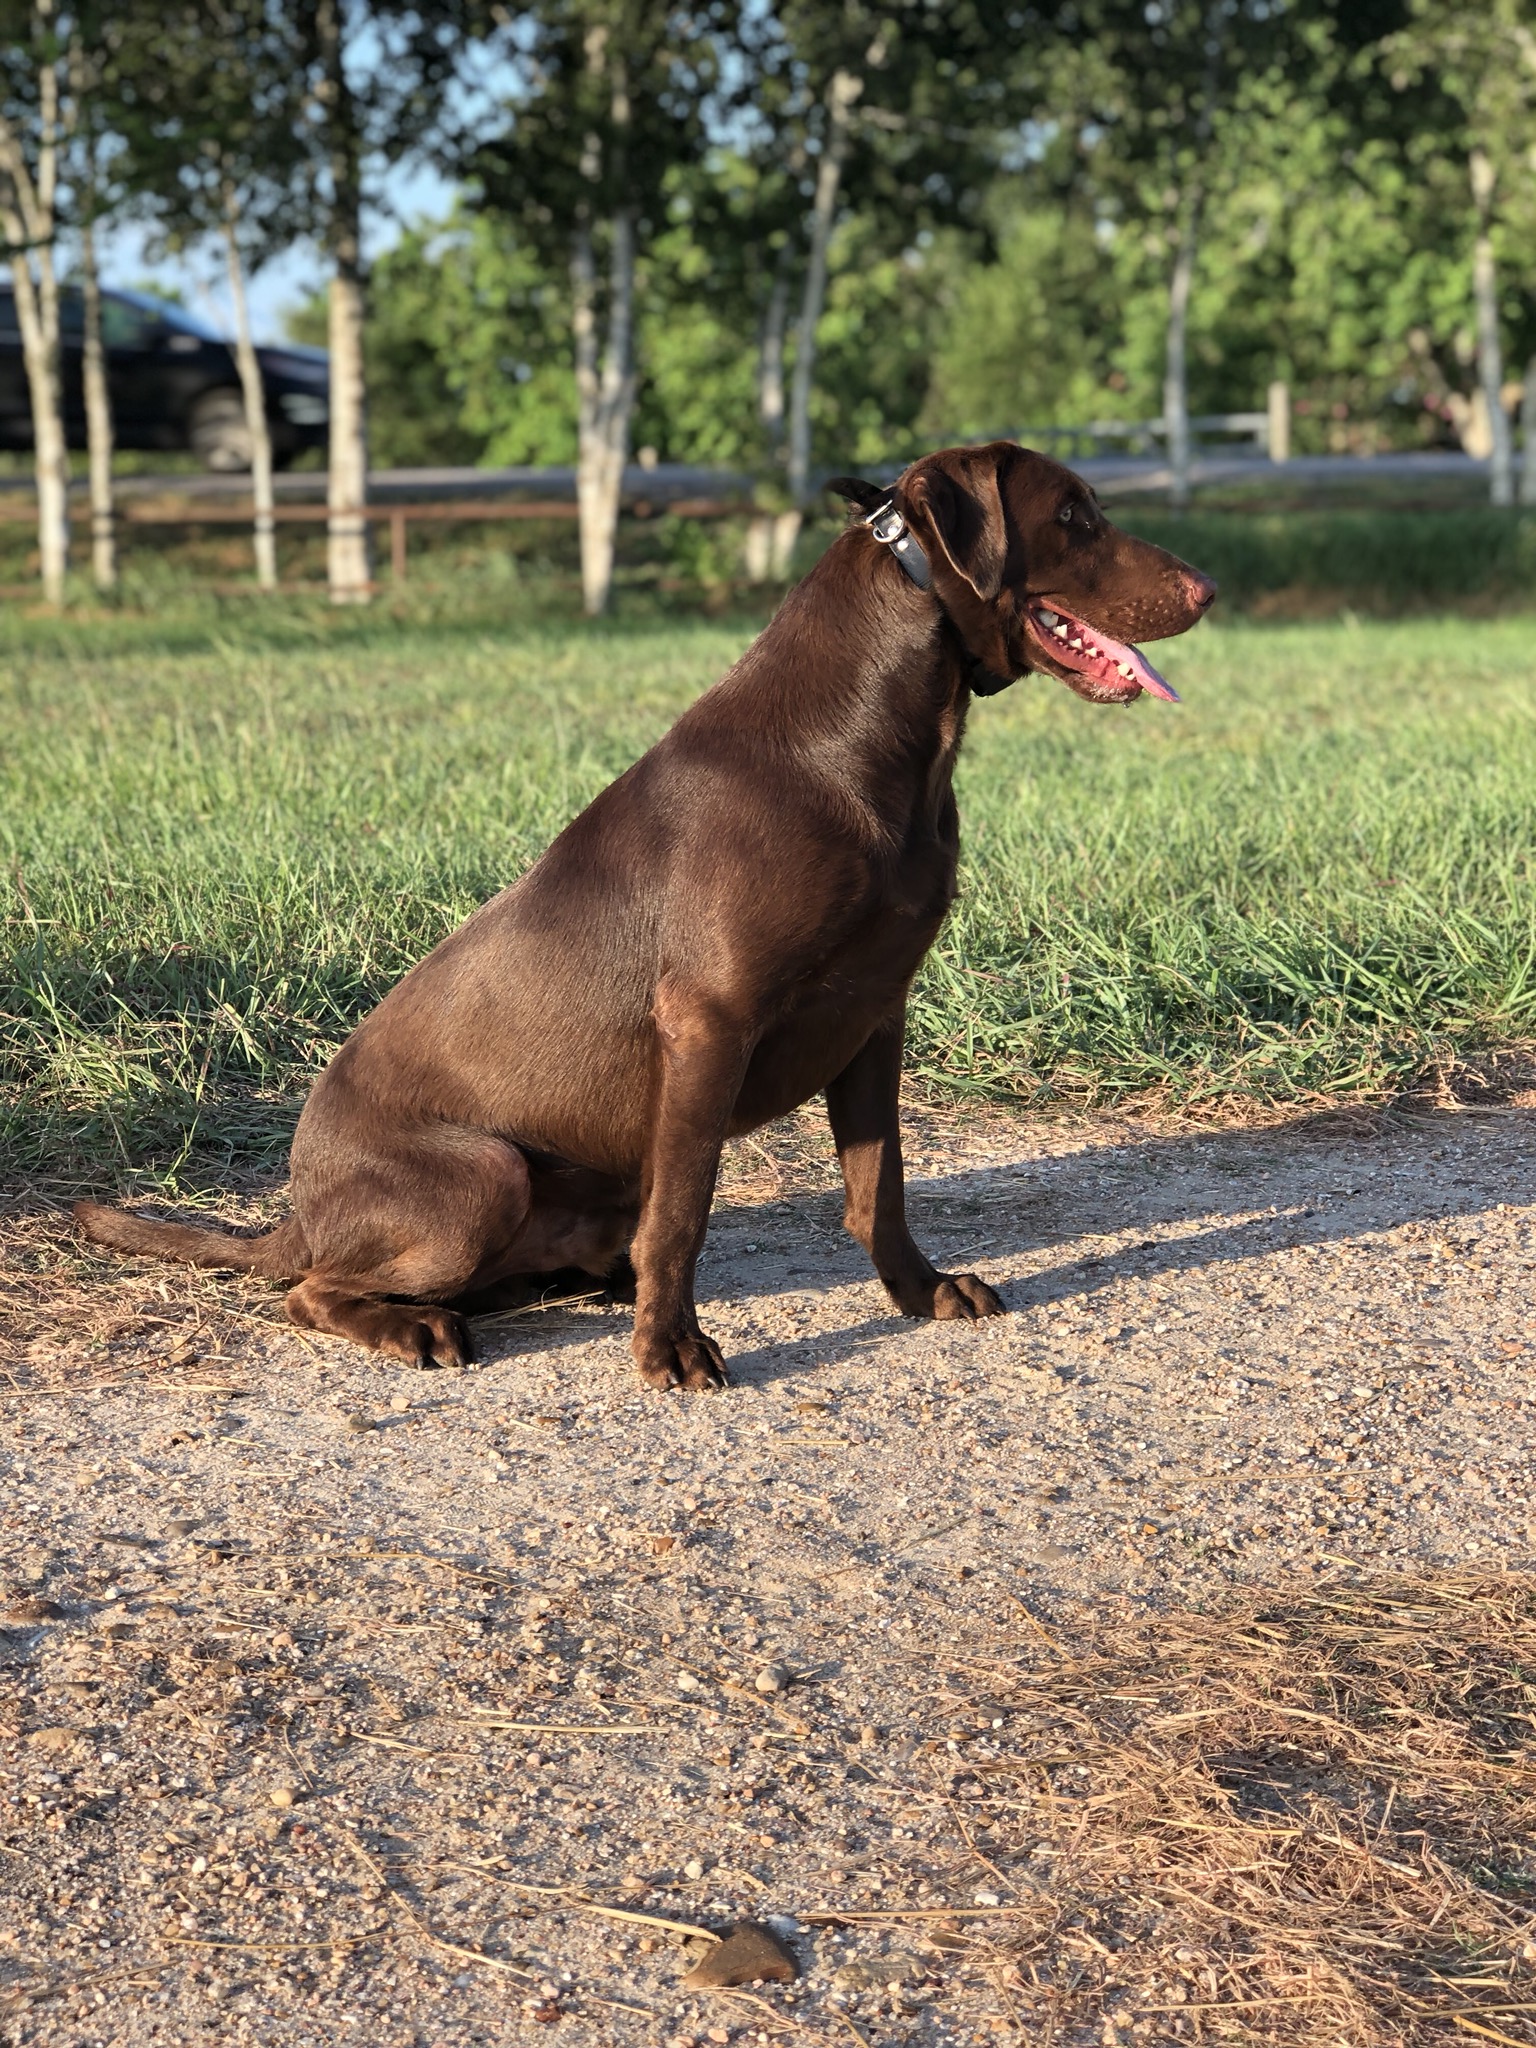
point(951, 1298)
point(961, 1297)
point(692, 1361)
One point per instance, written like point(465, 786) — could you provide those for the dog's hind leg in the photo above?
point(419, 1332)
point(398, 1235)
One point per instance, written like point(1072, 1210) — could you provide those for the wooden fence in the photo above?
point(196, 508)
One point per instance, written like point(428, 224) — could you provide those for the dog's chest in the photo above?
point(824, 1017)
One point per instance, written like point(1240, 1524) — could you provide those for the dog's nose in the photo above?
point(1201, 589)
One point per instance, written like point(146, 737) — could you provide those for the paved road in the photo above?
point(1122, 474)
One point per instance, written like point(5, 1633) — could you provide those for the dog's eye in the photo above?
point(1067, 514)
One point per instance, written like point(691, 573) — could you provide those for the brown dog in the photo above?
point(729, 928)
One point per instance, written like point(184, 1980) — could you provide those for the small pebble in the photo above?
point(281, 1795)
point(52, 1740)
point(772, 1678)
point(693, 1869)
point(359, 1424)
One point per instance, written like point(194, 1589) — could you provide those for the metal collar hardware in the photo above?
point(889, 527)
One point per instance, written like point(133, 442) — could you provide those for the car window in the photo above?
point(71, 314)
point(126, 325)
point(168, 314)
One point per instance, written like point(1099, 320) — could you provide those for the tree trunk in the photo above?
point(771, 536)
point(93, 356)
point(255, 403)
point(605, 378)
point(27, 215)
point(1176, 362)
point(605, 394)
point(98, 418)
point(40, 353)
point(843, 90)
point(1490, 355)
point(349, 564)
point(770, 364)
point(1528, 436)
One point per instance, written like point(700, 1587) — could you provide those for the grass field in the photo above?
point(224, 832)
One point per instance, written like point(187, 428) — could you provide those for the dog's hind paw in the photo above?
point(426, 1336)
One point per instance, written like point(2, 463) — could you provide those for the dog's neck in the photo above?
point(865, 678)
point(886, 523)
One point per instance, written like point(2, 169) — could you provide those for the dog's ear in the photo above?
point(854, 491)
point(962, 496)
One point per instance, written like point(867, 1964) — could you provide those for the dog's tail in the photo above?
point(279, 1255)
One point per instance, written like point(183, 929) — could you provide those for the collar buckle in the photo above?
point(886, 522)
point(888, 525)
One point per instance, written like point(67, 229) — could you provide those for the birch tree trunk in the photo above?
point(1176, 361)
point(349, 565)
point(771, 535)
point(770, 364)
point(98, 418)
point(605, 395)
point(27, 216)
point(842, 92)
point(1490, 355)
point(96, 388)
point(1528, 436)
point(255, 402)
point(605, 373)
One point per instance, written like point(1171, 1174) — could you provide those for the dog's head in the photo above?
point(1034, 576)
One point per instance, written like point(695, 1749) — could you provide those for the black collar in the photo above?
point(889, 526)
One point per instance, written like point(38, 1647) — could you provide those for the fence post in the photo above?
point(397, 546)
point(1279, 409)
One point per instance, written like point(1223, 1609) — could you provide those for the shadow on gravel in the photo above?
point(1331, 1178)
point(1135, 1207)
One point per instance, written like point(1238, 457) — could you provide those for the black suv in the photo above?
point(173, 381)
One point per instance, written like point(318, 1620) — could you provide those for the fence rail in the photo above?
point(1269, 431)
point(397, 514)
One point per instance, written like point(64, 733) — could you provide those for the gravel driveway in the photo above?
point(346, 1702)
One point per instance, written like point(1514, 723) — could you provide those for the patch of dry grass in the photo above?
point(1311, 1820)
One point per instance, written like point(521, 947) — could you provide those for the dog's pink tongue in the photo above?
point(1092, 653)
point(1133, 658)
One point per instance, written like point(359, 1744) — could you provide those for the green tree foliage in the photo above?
point(468, 349)
point(1001, 251)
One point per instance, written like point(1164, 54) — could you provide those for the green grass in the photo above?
point(224, 833)
point(1379, 561)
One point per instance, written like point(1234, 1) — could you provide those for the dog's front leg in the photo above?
point(863, 1106)
point(703, 1051)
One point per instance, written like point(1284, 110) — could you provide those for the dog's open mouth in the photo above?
point(1105, 670)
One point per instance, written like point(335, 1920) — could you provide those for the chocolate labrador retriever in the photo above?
point(730, 927)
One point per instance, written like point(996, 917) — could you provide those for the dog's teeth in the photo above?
point(1075, 643)
point(1047, 618)
point(1061, 629)
point(1124, 668)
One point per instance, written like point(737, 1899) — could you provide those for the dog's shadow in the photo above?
point(1084, 1203)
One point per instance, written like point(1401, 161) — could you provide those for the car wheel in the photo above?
point(219, 436)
